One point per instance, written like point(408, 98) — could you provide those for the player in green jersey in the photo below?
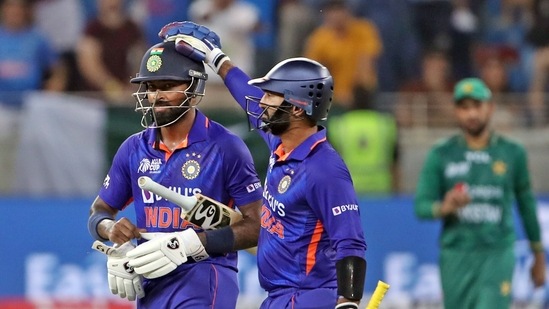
point(470, 181)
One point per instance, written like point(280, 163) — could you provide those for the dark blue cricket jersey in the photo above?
point(213, 162)
point(310, 216)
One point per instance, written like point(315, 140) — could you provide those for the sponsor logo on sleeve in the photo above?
point(338, 210)
point(253, 186)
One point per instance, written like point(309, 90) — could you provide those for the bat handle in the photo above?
point(378, 295)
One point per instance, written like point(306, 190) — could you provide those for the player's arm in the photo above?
point(431, 202)
point(102, 225)
point(527, 209)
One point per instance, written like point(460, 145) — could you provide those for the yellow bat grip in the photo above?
point(378, 295)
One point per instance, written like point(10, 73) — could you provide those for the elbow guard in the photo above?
point(351, 274)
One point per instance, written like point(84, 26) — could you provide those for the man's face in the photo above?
point(473, 116)
point(168, 100)
point(276, 116)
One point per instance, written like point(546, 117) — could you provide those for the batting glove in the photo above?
point(123, 280)
point(196, 42)
point(164, 252)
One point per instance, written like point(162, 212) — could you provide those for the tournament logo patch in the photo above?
point(499, 167)
point(154, 63)
point(190, 169)
point(284, 184)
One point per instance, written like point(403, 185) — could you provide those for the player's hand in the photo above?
point(196, 42)
point(165, 251)
point(456, 198)
point(122, 231)
point(538, 269)
point(123, 280)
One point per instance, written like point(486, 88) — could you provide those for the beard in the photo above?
point(278, 123)
point(475, 130)
point(169, 114)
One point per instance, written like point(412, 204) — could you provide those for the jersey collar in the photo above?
point(304, 149)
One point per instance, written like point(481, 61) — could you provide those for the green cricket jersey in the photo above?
point(496, 176)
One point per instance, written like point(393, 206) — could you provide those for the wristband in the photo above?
point(220, 241)
point(93, 222)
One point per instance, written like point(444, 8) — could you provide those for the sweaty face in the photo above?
point(473, 116)
point(168, 100)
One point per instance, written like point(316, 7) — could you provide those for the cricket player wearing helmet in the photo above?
point(311, 245)
point(176, 264)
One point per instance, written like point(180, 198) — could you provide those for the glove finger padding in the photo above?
point(170, 32)
point(164, 252)
point(123, 280)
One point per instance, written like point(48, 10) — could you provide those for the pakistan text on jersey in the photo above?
point(480, 213)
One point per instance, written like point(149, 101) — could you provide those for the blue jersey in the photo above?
point(310, 217)
point(211, 161)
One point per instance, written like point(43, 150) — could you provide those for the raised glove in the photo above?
point(164, 252)
point(196, 42)
point(122, 278)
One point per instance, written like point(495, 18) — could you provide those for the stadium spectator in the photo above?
point(62, 21)
point(235, 21)
point(424, 101)
point(153, 14)
point(472, 181)
point(539, 39)
point(349, 47)
point(367, 140)
point(27, 59)
point(296, 21)
point(112, 44)
point(493, 64)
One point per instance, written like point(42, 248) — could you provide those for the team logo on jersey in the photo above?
point(190, 169)
point(499, 167)
point(284, 184)
point(154, 63)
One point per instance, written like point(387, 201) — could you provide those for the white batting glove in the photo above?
point(164, 252)
point(123, 280)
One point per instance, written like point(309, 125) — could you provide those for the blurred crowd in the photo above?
point(414, 50)
point(371, 47)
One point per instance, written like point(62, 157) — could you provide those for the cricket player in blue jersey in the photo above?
point(311, 244)
point(176, 264)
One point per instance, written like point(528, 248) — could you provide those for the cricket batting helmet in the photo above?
point(303, 82)
point(163, 62)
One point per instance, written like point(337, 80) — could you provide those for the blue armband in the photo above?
point(94, 220)
point(220, 241)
